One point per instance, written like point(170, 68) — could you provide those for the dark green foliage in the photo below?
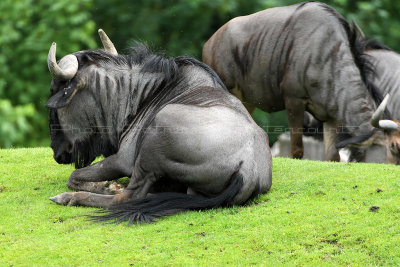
point(14, 122)
point(180, 27)
point(27, 29)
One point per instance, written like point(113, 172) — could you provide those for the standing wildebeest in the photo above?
point(302, 57)
point(386, 75)
point(169, 124)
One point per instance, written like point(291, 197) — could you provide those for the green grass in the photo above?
point(315, 214)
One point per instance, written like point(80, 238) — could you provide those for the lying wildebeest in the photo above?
point(169, 124)
point(303, 57)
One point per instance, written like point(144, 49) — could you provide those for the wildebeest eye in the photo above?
point(57, 86)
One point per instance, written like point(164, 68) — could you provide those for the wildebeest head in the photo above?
point(391, 137)
point(390, 140)
point(386, 134)
point(75, 141)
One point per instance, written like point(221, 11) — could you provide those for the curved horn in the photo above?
point(379, 112)
point(383, 124)
point(69, 65)
point(108, 45)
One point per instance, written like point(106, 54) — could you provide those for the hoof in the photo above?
point(63, 199)
point(298, 155)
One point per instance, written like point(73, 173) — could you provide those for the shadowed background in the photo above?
point(179, 27)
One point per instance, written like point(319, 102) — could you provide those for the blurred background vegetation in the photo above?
point(180, 27)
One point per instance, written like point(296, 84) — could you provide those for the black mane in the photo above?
point(150, 62)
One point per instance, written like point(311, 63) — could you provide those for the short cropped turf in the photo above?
point(316, 213)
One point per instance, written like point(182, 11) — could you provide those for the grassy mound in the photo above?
point(316, 213)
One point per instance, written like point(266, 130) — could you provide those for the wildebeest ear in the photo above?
point(358, 30)
point(62, 98)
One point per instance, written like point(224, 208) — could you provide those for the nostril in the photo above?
point(57, 159)
point(63, 157)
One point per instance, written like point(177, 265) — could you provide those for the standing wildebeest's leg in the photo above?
point(330, 140)
point(295, 114)
point(91, 177)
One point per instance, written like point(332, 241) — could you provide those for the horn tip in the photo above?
point(100, 30)
point(388, 125)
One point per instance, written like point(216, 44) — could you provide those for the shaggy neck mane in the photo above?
point(149, 62)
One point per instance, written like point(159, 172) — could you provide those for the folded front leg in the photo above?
point(90, 199)
point(138, 187)
point(94, 178)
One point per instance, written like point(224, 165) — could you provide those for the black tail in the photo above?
point(146, 210)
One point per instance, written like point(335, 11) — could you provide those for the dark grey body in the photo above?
point(203, 148)
point(297, 58)
point(185, 135)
